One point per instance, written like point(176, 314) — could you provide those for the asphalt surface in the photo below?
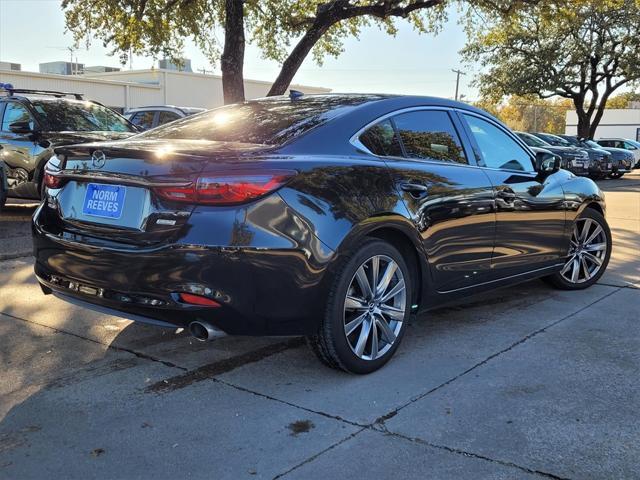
point(526, 382)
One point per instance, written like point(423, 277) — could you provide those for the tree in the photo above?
point(581, 50)
point(529, 113)
point(624, 100)
point(154, 27)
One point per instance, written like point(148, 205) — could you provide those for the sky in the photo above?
point(32, 31)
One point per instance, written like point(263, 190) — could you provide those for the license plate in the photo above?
point(105, 201)
point(578, 164)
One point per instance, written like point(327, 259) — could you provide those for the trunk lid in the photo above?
point(108, 187)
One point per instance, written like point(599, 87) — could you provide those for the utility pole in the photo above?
point(458, 73)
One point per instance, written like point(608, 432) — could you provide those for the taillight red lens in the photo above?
point(198, 300)
point(227, 188)
point(51, 181)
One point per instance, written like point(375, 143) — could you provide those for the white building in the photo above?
point(137, 88)
point(622, 123)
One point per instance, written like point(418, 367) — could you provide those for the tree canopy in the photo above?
point(581, 50)
point(286, 31)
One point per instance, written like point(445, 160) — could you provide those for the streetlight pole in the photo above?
point(458, 73)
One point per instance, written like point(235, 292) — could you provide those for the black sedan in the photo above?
point(335, 217)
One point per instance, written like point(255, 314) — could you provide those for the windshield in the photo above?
point(532, 141)
point(270, 122)
point(573, 141)
point(557, 141)
point(79, 116)
point(592, 144)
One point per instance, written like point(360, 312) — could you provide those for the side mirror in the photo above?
point(547, 163)
point(21, 127)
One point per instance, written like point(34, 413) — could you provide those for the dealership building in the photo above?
point(616, 123)
point(137, 88)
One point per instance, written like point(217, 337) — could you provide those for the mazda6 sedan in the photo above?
point(336, 217)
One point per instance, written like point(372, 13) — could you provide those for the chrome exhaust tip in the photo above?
point(203, 331)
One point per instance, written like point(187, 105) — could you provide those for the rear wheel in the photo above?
point(589, 253)
point(367, 310)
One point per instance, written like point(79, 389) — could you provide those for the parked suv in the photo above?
point(576, 161)
point(624, 143)
point(34, 122)
point(153, 116)
point(600, 165)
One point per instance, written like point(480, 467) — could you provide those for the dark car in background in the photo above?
point(34, 122)
point(625, 144)
point(600, 164)
point(335, 216)
point(574, 160)
point(153, 116)
point(621, 159)
point(3, 185)
point(597, 154)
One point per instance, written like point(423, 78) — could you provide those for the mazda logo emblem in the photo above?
point(98, 158)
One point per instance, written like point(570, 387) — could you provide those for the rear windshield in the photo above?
point(271, 122)
point(79, 116)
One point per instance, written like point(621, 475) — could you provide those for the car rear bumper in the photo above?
point(261, 290)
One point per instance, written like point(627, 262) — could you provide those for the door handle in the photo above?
point(416, 190)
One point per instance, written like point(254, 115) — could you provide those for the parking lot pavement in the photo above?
point(526, 382)
point(15, 231)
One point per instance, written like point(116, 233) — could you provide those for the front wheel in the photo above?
point(615, 175)
point(589, 253)
point(367, 310)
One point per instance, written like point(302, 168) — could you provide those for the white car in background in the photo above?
point(624, 143)
point(152, 116)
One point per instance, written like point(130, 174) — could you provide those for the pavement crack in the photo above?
point(141, 355)
point(284, 402)
point(381, 420)
point(322, 452)
point(478, 456)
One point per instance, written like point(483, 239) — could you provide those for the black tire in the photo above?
point(559, 281)
point(616, 175)
point(330, 343)
point(3, 186)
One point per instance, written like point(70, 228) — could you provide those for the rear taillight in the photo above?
point(52, 181)
point(227, 188)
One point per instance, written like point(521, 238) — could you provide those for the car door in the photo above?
point(17, 148)
point(530, 208)
point(449, 201)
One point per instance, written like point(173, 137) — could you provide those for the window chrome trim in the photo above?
point(355, 138)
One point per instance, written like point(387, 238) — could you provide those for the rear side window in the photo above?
point(381, 139)
point(14, 112)
point(430, 135)
point(166, 117)
point(498, 149)
point(143, 119)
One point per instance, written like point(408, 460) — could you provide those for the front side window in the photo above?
point(14, 112)
point(498, 150)
point(166, 117)
point(430, 135)
point(381, 139)
point(144, 119)
point(80, 116)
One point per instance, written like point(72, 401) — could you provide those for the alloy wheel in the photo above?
point(587, 251)
point(374, 307)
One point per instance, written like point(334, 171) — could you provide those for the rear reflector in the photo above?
point(227, 189)
point(197, 300)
